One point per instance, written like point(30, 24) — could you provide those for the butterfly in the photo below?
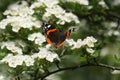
point(54, 35)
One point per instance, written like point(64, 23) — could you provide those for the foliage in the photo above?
point(26, 55)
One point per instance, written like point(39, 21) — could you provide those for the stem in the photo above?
point(79, 66)
point(35, 74)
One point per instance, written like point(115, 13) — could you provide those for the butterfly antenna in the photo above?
point(71, 30)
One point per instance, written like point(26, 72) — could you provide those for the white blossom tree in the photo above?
point(25, 53)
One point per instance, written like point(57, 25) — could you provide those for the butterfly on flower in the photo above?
point(54, 35)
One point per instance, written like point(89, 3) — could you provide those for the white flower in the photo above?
point(18, 22)
point(83, 2)
point(32, 37)
point(10, 45)
point(74, 44)
point(90, 50)
point(59, 13)
point(46, 54)
point(112, 32)
point(3, 23)
point(116, 72)
point(50, 3)
point(51, 56)
point(37, 37)
point(40, 40)
point(16, 50)
point(48, 46)
point(2, 77)
point(68, 17)
point(61, 22)
point(89, 41)
point(55, 10)
point(47, 3)
point(71, 42)
point(36, 5)
point(41, 54)
point(13, 61)
point(116, 33)
point(52, 8)
point(102, 3)
point(17, 9)
point(20, 16)
point(78, 44)
point(29, 61)
point(112, 24)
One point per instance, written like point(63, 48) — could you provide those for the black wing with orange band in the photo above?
point(53, 35)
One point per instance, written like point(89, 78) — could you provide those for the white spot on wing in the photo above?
point(49, 26)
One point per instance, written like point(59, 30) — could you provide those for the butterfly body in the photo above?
point(54, 36)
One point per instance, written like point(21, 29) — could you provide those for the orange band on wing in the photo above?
point(49, 41)
point(60, 44)
point(67, 34)
point(52, 30)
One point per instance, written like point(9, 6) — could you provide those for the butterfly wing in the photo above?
point(63, 36)
point(56, 37)
point(53, 35)
point(61, 39)
point(50, 32)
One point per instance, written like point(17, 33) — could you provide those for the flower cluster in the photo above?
point(112, 32)
point(19, 59)
point(83, 2)
point(37, 37)
point(45, 54)
point(102, 3)
point(89, 41)
point(60, 13)
point(19, 16)
point(19, 9)
point(52, 8)
point(15, 60)
point(112, 29)
point(47, 3)
point(10, 45)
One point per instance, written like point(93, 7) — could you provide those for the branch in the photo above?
point(80, 66)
